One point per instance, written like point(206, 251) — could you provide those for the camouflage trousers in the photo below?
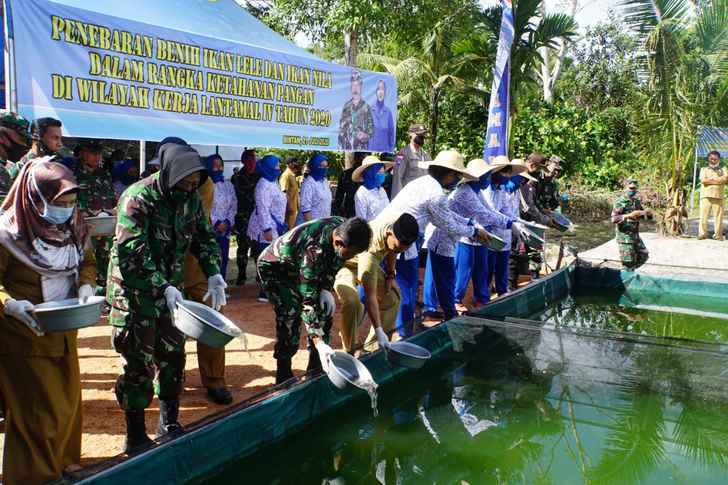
point(244, 247)
point(282, 290)
point(153, 356)
point(633, 253)
point(102, 249)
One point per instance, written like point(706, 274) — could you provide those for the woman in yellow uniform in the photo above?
point(45, 255)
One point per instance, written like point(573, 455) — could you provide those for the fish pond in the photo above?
point(593, 393)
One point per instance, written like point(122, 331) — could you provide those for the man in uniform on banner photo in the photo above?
point(356, 125)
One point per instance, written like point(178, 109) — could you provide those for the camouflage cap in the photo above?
point(632, 181)
point(417, 129)
point(555, 159)
point(15, 122)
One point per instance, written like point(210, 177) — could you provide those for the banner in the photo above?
point(108, 77)
point(496, 133)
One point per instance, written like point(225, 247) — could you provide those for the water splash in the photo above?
point(371, 389)
point(244, 339)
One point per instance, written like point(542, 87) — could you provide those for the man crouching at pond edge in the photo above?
point(297, 271)
point(626, 215)
point(159, 219)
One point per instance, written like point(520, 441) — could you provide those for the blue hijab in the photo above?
point(371, 176)
point(482, 183)
point(509, 184)
point(269, 167)
point(314, 167)
point(121, 172)
point(215, 175)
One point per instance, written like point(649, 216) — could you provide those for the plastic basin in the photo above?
point(65, 315)
point(495, 243)
point(406, 354)
point(561, 222)
point(101, 225)
point(202, 323)
point(346, 370)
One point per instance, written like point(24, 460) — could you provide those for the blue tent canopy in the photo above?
point(712, 138)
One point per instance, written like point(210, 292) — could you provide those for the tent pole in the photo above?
point(695, 176)
point(142, 156)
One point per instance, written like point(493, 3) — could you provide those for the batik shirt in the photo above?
point(315, 198)
point(470, 203)
point(369, 203)
point(426, 201)
point(225, 204)
point(306, 257)
point(153, 233)
point(95, 191)
point(508, 205)
point(270, 211)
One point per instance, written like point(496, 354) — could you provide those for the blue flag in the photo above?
point(496, 133)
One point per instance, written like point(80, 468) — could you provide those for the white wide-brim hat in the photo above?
point(517, 166)
point(450, 159)
point(358, 175)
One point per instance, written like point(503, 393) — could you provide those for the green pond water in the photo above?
point(615, 312)
point(526, 404)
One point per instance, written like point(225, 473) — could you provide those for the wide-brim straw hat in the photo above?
point(450, 159)
point(358, 175)
point(478, 167)
point(517, 166)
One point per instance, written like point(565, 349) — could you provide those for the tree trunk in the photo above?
point(434, 120)
point(550, 74)
point(677, 213)
point(351, 53)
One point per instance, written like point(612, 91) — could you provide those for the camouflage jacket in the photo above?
point(245, 193)
point(355, 119)
point(306, 255)
point(95, 191)
point(6, 181)
point(152, 236)
point(627, 230)
point(547, 194)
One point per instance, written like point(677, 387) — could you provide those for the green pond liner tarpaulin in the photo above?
point(204, 450)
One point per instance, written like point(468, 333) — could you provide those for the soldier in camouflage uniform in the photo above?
point(356, 125)
point(244, 181)
point(159, 219)
point(96, 197)
point(548, 198)
point(47, 141)
point(14, 142)
point(626, 216)
point(297, 271)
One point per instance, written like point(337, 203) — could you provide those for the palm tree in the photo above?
point(684, 65)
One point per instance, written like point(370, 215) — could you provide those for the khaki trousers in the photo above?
point(710, 205)
point(211, 360)
point(42, 405)
point(353, 310)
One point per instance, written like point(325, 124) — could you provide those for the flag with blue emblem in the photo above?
point(496, 133)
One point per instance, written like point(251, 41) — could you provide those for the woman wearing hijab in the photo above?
point(267, 220)
point(471, 257)
point(159, 220)
point(315, 191)
point(45, 255)
point(124, 174)
point(502, 195)
point(224, 207)
point(370, 198)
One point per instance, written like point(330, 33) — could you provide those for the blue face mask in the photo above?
point(381, 177)
point(319, 173)
point(631, 193)
point(52, 213)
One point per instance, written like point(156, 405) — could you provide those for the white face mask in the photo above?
point(51, 213)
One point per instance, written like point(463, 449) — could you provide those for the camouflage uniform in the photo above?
point(245, 193)
point(632, 250)
point(353, 120)
point(152, 236)
point(8, 169)
point(293, 271)
point(96, 195)
point(547, 194)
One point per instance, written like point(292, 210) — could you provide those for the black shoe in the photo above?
point(220, 395)
point(168, 418)
point(283, 371)
point(136, 432)
point(240, 282)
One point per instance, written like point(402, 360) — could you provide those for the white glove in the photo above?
point(22, 311)
point(325, 353)
point(328, 303)
point(216, 289)
point(173, 297)
point(382, 338)
point(102, 214)
point(85, 292)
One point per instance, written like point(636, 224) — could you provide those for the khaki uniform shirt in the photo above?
point(367, 265)
point(291, 186)
point(712, 191)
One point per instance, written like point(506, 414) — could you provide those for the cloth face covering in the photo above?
point(314, 165)
point(372, 176)
point(269, 167)
point(215, 175)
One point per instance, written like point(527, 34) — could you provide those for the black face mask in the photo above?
point(16, 152)
point(419, 140)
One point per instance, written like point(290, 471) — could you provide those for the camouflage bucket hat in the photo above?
point(17, 123)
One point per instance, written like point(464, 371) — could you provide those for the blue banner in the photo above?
point(496, 133)
point(111, 77)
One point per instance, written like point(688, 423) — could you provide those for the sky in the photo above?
point(589, 12)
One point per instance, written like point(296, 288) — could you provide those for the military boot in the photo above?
point(283, 370)
point(168, 418)
point(136, 432)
